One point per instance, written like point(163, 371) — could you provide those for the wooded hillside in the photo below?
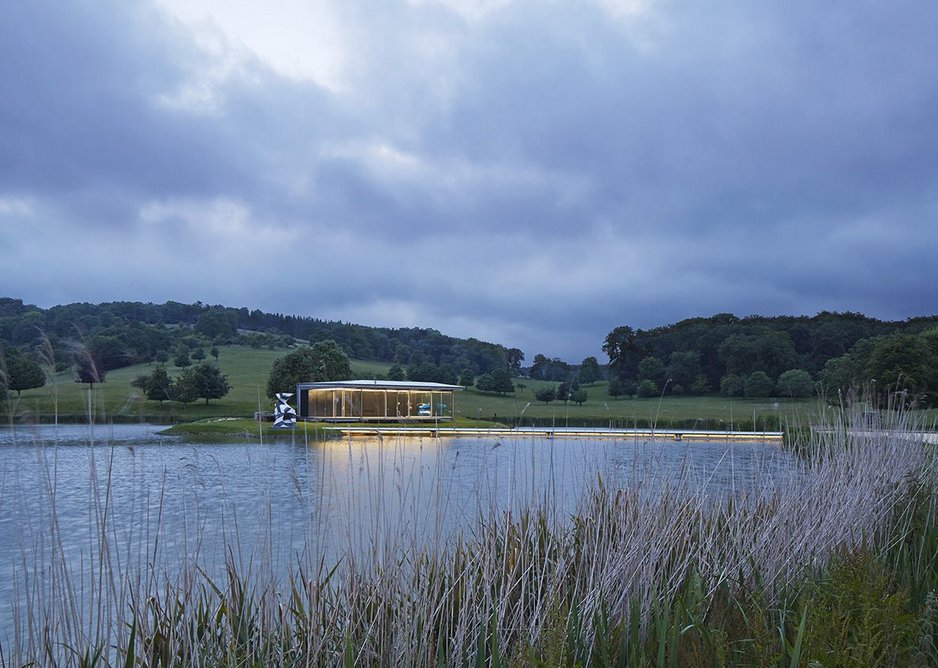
point(119, 334)
point(775, 356)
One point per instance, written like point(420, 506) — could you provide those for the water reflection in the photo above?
point(70, 496)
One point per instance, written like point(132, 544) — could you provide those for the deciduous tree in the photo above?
point(589, 371)
point(185, 387)
point(514, 357)
point(424, 372)
point(181, 357)
point(216, 324)
point(758, 384)
point(467, 378)
point(651, 368)
point(903, 362)
point(647, 388)
point(498, 381)
point(210, 382)
point(88, 367)
point(566, 389)
point(546, 394)
point(324, 360)
point(732, 385)
point(794, 383)
point(22, 372)
point(158, 386)
point(771, 352)
point(683, 368)
point(624, 352)
point(701, 385)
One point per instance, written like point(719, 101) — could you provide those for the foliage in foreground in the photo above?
point(838, 569)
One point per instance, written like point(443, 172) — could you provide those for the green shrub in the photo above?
point(758, 384)
point(794, 383)
point(647, 388)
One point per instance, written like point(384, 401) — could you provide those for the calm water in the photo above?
point(71, 494)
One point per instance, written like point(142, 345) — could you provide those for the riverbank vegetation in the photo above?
point(228, 429)
point(836, 566)
point(831, 354)
point(721, 372)
point(248, 369)
point(752, 357)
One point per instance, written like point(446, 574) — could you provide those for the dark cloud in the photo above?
point(78, 108)
point(532, 174)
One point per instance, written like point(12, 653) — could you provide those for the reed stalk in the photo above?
point(637, 576)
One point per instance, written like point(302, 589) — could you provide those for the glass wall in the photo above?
point(351, 404)
point(398, 406)
point(443, 404)
point(373, 404)
point(421, 404)
point(357, 404)
point(320, 403)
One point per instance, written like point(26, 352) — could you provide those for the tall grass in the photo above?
point(838, 569)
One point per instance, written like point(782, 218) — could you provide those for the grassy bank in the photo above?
point(601, 410)
point(118, 401)
point(228, 428)
point(839, 570)
point(248, 368)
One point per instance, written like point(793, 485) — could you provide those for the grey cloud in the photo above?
point(548, 172)
point(83, 110)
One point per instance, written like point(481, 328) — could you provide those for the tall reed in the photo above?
point(634, 577)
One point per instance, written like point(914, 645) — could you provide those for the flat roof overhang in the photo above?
point(397, 385)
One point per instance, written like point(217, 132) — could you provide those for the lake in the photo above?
point(74, 496)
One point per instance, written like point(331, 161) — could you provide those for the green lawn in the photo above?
point(247, 369)
point(623, 412)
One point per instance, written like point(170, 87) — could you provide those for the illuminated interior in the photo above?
point(375, 403)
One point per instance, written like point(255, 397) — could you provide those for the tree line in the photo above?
point(755, 356)
point(96, 338)
point(202, 381)
point(760, 356)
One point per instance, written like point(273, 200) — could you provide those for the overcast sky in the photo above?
point(529, 173)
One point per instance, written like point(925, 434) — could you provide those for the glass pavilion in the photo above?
point(363, 400)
